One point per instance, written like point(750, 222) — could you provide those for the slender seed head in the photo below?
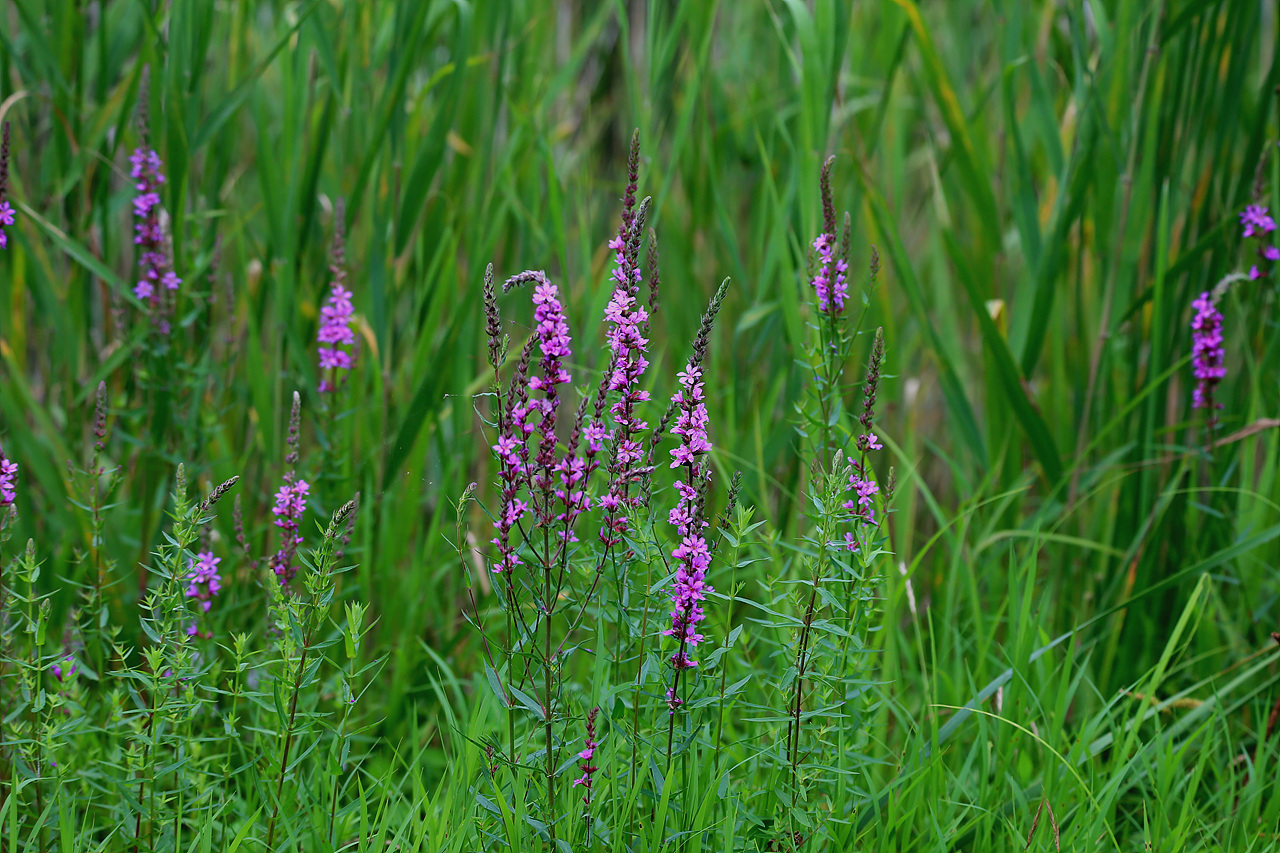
point(654, 283)
point(871, 386)
point(237, 522)
point(144, 108)
point(100, 417)
point(828, 205)
point(217, 494)
point(295, 424)
point(493, 322)
point(701, 341)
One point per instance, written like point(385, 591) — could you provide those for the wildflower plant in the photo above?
point(556, 470)
point(643, 480)
point(825, 688)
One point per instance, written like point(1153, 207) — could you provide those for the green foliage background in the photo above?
point(1049, 184)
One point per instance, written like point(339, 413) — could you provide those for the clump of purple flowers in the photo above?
point(830, 279)
point(831, 290)
point(692, 555)
point(148, 233)
point(203, 580)
point(6, 210)
point(628, 348)
point(335, 317)
point(8, 483)
point(554, 342)
point(291, 503)
point(588, 753)
point(1258, 224)
point(1206, 354)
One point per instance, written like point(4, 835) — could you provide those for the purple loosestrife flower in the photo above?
point(554, 342)
point(8, 483)
point(65, 668)
point(692, 555)
point(203, 583)
point(291, 504)
point(588, 769)
point(512, 450)
point(862, 484)
point(148, 235)
point(832, 290)
point(335, 329)
point(1258, 224)
point(628, 321)
point(830, 280)
point(335, 317)
point(627, 363)
point(1256, 221)
point(203, 580)
point(6, 218)
point(6, 210)
point(1206, 354)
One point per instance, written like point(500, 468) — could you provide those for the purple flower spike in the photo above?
point(156, 282)
point(6, 210)
point(555, 344)
point(6, 218)
point(831, 290)
point(203, 580)
point(588, 769)
point(628, 348)
point(692, 555)
point(1256, 221)
point(1207, 354)
point(291, 504)
point(8, 483)
point(336, 317)
point(1258, 225)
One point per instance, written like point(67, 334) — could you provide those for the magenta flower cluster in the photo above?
point(524, 417)
point(291, 504)
point(8, 481)
point(147, 176)
point(628, 348)
point(692, 555)
point(552, 329)
point(6, 218)
point(830, 282)
point(203, 583)
point(335, 333)
point(586, 755)
point(1258, 224)
point(1206, 353)
point(203, 580)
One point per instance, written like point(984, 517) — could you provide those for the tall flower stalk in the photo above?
point(290, 502)
point(6, 210)
point(336, 337)
point(1207, 356)
point(536, 418)
point(845, 497)
point(157, 282)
